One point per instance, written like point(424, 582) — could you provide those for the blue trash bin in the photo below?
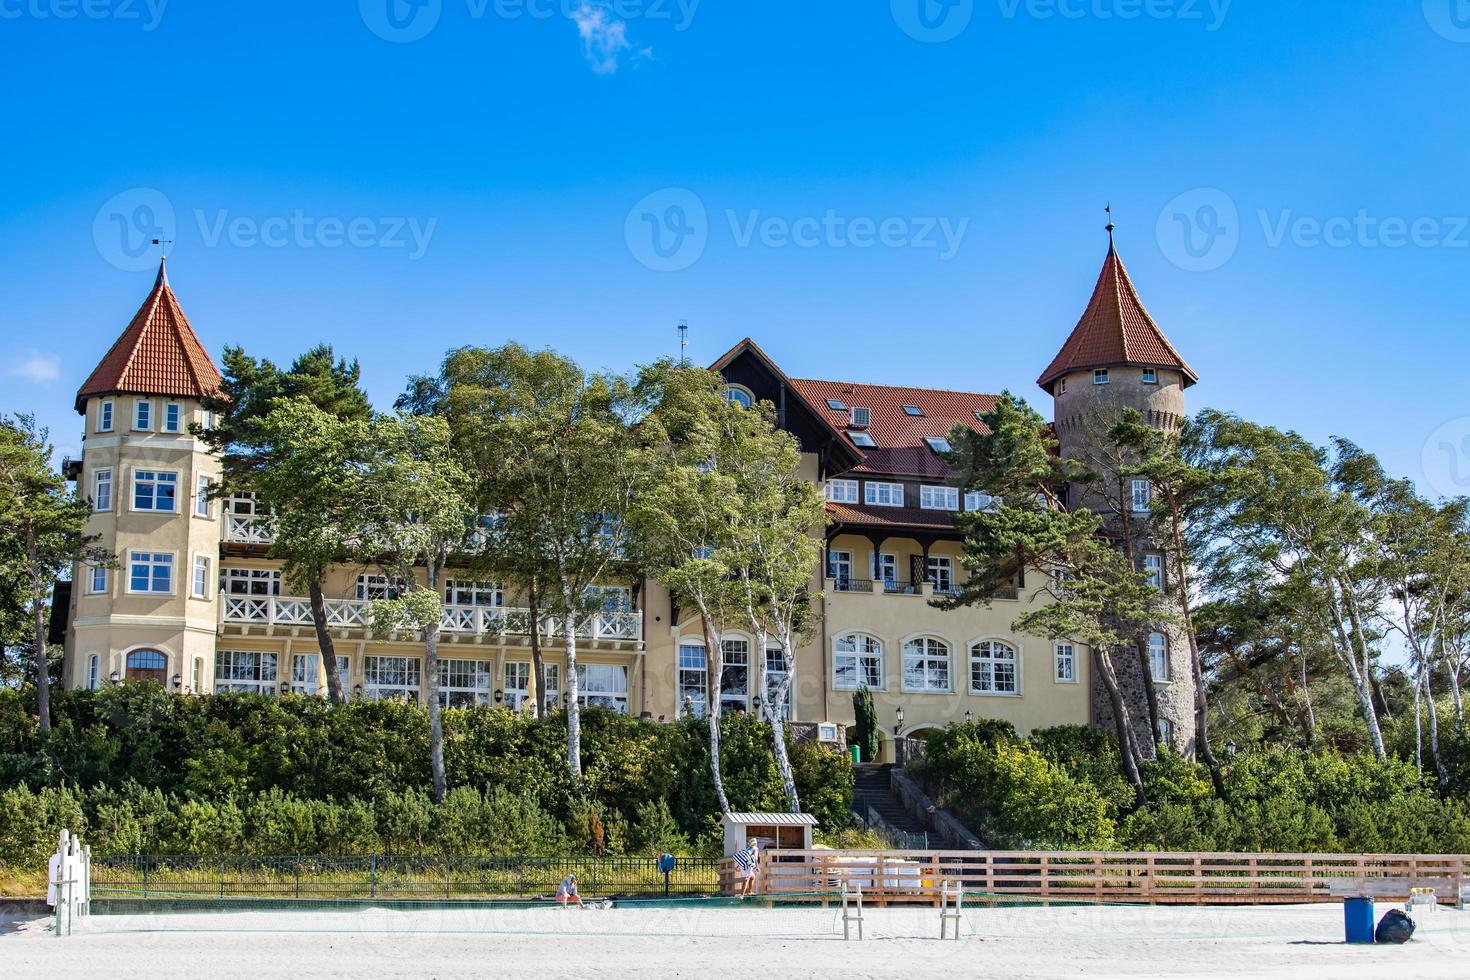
point(1357, 919)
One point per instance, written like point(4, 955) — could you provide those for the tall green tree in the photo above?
point(420, 512)
point(1287, 515)
point(1093, 594)
point(42, 535)
point(555, 453)
point(251, 390)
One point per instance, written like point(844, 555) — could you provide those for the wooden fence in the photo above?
point(1139, 877)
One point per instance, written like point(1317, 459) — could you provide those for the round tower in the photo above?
point(1115, 359)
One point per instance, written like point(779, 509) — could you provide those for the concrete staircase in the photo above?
point(874, 803)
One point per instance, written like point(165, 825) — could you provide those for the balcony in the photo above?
point(247, 530)
point(243, 615)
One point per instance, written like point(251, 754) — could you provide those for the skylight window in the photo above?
point(836, 405)
point(862, 439)
point(913, 410)
point(939, 444)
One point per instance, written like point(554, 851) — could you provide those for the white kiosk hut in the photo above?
point(786, 830)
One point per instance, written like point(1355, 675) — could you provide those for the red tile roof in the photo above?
point(158, 354)
point(899, 437)
point(853, 515)
point(1115, 329)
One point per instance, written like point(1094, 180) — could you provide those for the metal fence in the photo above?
point(384, 878)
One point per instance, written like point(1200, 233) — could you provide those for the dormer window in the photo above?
point(861, 417)
point(1100, 376)
point(1150, 376)
point(862, 439)
point(939, 444)
point(836, 405)
point(913, 411)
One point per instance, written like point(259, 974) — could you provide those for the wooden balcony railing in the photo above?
point(273, 611)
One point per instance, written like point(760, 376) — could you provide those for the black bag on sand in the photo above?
point(1394, 927)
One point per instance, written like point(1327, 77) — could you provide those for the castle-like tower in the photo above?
point(1118, 358)
point(154, 616)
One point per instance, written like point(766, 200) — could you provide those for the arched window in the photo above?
point(740, 395)
point(994, 668)
point(148, 665)
point(857, 662)
point(926, 665)
point(1158, 656)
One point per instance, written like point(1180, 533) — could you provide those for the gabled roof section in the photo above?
point(1115, 329)
point(898, 434)
point(158, 354)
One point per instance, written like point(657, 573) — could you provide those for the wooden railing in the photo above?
point(1139, 877)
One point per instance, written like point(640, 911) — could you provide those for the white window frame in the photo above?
point(979, 500)
point(939, 498)
point(1065, 663)
point(864, 652)
point(773, 671)
point(735, 666)
point(939, 570)
point(1153, 570)
point(203, 485)
point(238, 581)
point(1062, 387)
point(878, 493)
point(1158, 658)
point(466, 683)
point(985, 652)
point(94, 672)
point(373, 587)
point(691, 691)
point(842, 491)
point(473, 592)
point(306, 674)
point(199, 576)
point(1100, 376)
point(860, 417)
point(105, 414)
point(173, 417)
point(934, 659)
point(142, 415)
point(154, 560)
point(386, 678)
point(739, 395)
point(96, 580)
point(1150, 376)
point(612, 696)
point(839, 565)
point(246, 671)
point(151, 476)
point(103, 478)
point(1140, 496)
point(515, 689)
point(888, 563)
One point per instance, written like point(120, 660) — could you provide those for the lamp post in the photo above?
point(898, 728)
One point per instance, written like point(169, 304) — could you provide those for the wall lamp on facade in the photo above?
point(114, 678)
point(499, 696)
point(178, 681)
point(357, 689)
point(285, 687)
point(899, 727)
point(969, 717)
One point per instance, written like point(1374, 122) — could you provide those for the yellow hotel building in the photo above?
point(197, 605)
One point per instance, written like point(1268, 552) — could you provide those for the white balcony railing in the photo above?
point(458, 620)
point(247, 530)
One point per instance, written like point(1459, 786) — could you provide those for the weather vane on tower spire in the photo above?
point(1111, 225)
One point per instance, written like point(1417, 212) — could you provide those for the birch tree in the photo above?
point(419, 514)
point(42, 534)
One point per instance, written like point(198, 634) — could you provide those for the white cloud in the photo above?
point(604, 38)
point(34, 365)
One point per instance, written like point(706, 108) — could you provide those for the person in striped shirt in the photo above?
point(746, 860)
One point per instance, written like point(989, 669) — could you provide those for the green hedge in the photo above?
point(141, 770)
point(1060, 788)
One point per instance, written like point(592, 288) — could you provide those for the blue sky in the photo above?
point(900, 191)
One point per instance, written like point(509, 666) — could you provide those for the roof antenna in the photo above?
point(1111, 225)
point(683, 343)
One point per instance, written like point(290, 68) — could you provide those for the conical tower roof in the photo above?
point(1115, 330)
point(158, 354)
